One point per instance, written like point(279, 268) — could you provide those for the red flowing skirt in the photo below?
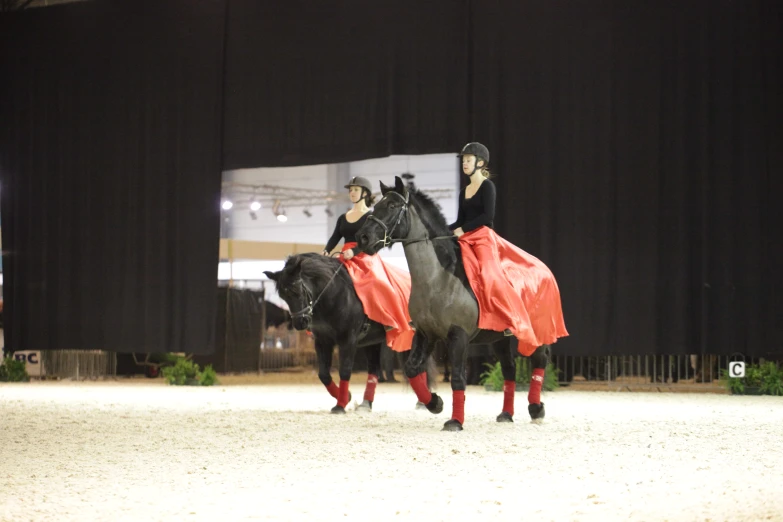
point(384, 291)
point(515, 290)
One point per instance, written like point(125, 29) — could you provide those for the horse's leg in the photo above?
point(404, 356)
point(416, 374)
point(387, 363)
point(539, 360)
point(373, 366)
point(457, 346)
point(324, 348)
point(446, 366)
point(346, 352)
point(506, 355)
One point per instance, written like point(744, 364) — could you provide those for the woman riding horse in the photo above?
point(479, 290)
point(504, 273)
point(383, 289)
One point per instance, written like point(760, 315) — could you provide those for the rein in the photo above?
point(308, 310)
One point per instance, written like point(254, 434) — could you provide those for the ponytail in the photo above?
point(369, 199)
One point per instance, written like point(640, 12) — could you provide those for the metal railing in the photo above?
point(78, 364)
point(697, 372)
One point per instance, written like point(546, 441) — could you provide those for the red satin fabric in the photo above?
point(515, 290)
point(384, 291)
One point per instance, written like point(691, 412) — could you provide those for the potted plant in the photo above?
point(12, 370)
point(187, 373)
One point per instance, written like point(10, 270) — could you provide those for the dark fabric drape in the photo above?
point(638, 149)
point(238, 331)
point(326, 82)
point(110, 164)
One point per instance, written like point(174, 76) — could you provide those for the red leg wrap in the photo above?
point(419, 385)
point(332, 389)
point(369, 391)
point(342, 400)
point(458, 410)
point(536, 381)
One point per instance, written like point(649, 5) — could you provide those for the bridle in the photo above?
point(387, 240)
point(387, 232)
point(307, 311)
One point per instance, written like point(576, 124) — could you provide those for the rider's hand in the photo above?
point(348, 254)
point(458, 231)
point(325, 253)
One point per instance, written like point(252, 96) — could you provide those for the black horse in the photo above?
point(442, 305)
point(322, 299)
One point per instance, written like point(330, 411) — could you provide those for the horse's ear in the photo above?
point(384, 189)
point(399, 186)
point(274, 276)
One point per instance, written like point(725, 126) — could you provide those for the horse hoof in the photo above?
point(452, 425)
point(436, 404)
point(338, 409)
point(365, 406)
point(505, 417)
point(420, 405)
point(536, 411)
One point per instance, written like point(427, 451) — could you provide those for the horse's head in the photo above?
point(296, 291)
point(389, 219)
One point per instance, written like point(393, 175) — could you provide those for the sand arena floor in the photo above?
point(268, 449)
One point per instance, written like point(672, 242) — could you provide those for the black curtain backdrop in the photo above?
point(639, 154)
point(327, 82)
point(637, 146)
point(110, 163)
point(238, 332)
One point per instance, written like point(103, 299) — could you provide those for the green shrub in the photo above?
point(186, 372)
point(494, 375)
point(208, 376)
point(12, 370)
point(767, 378)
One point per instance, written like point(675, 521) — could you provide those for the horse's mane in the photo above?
point(434, 221)
point(314, 266)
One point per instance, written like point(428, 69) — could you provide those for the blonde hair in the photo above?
point(486, 173)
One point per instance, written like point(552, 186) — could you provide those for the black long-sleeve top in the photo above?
point(346, 230)
point(478, 210)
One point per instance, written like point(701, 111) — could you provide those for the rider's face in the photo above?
point(355, 194)
point(468, 164)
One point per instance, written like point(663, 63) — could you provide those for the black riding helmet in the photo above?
point(358, 181)
point(477, 149)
